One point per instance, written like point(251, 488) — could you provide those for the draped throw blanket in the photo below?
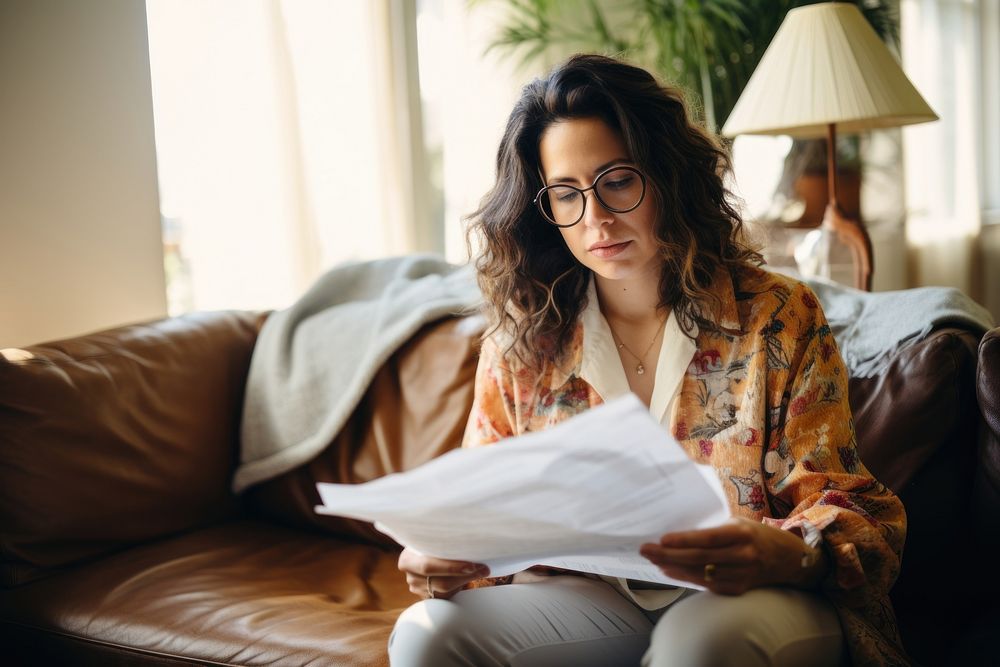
point(313, 362)
point(870, 327)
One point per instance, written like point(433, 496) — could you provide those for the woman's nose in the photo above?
point(594, 213)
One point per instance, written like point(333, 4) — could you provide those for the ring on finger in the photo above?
point(709, 573)
point(430, 591)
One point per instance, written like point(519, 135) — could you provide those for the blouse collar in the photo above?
point(601, 366)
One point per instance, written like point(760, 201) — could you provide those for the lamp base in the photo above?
point(839, 244)
point(819, 255)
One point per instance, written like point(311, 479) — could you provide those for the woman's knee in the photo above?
point(429, 633)
point(761, 627)
point(703, 629)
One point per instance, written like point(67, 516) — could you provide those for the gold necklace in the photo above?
point(639, 367)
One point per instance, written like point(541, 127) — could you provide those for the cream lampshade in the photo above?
point(825, 70)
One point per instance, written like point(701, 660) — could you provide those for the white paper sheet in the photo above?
point(583, 495)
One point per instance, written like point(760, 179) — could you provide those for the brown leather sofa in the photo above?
point(121, 543)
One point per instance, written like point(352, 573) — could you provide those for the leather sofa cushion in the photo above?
point(415, 409)
point(118, 437)
point(244, 592)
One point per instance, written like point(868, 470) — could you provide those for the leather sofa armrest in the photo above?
point(988, 379)
point(119, 436)
point(986, 492)
point(916, 426)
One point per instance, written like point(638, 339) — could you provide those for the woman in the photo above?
point(612, 262)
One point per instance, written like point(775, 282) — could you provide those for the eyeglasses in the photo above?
point(619, 189)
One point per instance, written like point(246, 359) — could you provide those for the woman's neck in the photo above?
point(633, 301)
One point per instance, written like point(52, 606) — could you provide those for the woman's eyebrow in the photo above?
point(566, 179)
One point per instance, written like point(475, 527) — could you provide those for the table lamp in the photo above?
point(825, 70)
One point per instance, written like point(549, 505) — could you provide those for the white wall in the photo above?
point(80, 240)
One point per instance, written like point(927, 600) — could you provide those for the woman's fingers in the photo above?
point(739, 553)
point(726, 572)
point(427, 576)
point(724, 578)
point(734, 532)
point(737, 556)
point(428, 566)
point(440, 586)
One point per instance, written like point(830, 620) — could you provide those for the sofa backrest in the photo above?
point(118, 437)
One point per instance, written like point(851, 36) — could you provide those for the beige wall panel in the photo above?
point(80, 240)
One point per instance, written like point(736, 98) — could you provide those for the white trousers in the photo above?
point(571, 620)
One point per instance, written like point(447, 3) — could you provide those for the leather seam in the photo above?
point(124, 647)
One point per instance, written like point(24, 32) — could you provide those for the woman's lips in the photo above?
point(604, 252)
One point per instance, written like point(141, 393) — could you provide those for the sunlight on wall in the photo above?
point(757, 166)
point(469, 98)
point(940, 158)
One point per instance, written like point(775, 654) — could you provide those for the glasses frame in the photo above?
point(583, 193)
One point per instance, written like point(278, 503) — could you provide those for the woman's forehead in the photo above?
point(580, 147)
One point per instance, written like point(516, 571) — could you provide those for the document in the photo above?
point(582, 495)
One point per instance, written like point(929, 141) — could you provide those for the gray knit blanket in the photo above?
point(313, 362)
point(871, 327)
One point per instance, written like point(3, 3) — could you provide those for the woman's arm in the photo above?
point(828, 489)
point(859, 525)
point(493, 415)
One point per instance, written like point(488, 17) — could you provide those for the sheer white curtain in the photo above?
point(469, 95)
point(284, 143)
point(949, 49)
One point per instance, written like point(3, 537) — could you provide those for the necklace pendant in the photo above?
point(640, 369)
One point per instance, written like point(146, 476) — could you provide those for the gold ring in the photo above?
point(430, 591)
point(709, 571)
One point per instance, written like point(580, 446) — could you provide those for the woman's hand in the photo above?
point(738, 556)
point(444, 578)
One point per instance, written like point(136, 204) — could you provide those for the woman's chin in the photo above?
point(618, 270)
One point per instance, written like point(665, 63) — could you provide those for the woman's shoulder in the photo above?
point(764, 296)
point(501, 351)
point(759, 280)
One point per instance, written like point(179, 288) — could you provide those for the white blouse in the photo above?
point(602, 369)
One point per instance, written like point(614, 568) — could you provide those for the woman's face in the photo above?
point(615, 246)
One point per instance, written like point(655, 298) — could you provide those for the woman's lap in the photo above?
point(583, 621)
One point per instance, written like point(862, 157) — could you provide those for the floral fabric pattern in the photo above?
point(764, 402)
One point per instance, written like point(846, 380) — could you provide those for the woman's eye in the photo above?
point(620, 183)
point(568, 196)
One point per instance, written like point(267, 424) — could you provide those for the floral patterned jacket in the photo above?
point(763, 401)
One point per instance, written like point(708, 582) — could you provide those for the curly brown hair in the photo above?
point(534, 288)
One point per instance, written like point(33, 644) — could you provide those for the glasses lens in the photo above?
point(562, 204)
point(620, 189)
